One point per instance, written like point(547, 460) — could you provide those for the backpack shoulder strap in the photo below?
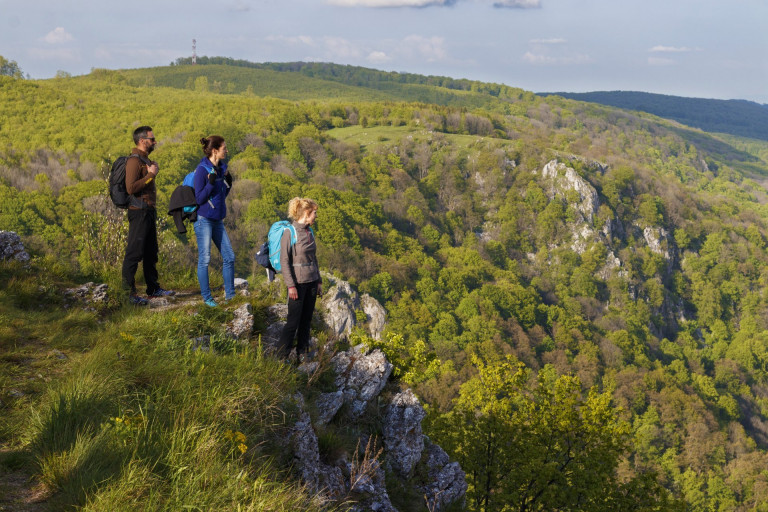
point(293, 234)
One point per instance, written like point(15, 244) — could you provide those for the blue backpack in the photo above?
point(189, 181)
point(268, 255)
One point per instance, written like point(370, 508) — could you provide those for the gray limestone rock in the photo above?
point(361, 376)
point(376, 315)
point(403, 438)
point(447, 481)
point(11, 247)
point(241, 327)
point(341, 304)
point(328, 404)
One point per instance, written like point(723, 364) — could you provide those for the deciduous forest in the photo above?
point(577, 294)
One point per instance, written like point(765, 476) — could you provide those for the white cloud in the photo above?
point(508, 4)
point(554, 40)
point(377, 57)
point(672, 49)
point(338, 47)
point(389, 3)
point(429, 48)
point(60, 54)
point(659, 61)
point(305, 40)
point(518, 4)
point(548, 60)
point(58, 36)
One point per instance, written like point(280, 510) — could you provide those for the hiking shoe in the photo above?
point(162, 293)
point(211, 303)
point(137, 301)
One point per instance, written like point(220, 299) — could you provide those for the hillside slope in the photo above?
point(736, 117)
point(536, 256)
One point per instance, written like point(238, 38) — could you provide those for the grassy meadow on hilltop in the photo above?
point(609, 356)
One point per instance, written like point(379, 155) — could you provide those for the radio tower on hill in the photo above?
point(194, 51)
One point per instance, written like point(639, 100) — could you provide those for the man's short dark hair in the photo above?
point(141, 133)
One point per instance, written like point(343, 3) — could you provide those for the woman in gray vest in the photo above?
point(298, 265)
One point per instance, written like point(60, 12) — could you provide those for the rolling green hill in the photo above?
point(735, 117)
point(553, 270)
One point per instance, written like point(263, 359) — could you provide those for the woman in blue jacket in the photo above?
point(212, 185)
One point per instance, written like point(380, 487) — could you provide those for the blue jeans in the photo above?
point(205, 231)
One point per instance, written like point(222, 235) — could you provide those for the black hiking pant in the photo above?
point(299, 320)
point(141, 246)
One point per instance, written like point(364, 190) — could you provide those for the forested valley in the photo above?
point(577, 294)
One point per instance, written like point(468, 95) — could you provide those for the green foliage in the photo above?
point(536, 446)
point(10, 68)
point(440, 211)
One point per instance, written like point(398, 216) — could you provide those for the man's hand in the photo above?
point(320, 289)
point(153, 169)
point(293, 294)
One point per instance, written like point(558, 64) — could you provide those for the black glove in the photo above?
point(211, 178)
point(228, 180)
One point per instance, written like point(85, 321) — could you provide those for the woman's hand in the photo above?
point(292, 293)
point(320, 289)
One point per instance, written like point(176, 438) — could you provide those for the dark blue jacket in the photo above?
point(211, 198)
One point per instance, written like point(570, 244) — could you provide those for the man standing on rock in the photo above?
point(140, 174)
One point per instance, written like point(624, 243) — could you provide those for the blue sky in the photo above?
point(695, 48)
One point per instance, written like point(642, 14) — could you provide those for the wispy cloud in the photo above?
point(500, 4)
point(548, 60)
point(554, 40)
point(377, 57)
point(660, 61)
point(672, 49)
point(59, 54)
point(338, 47)
point(58, 36)
point(517, 4)
point(293, 40)
point(390, 3)
point(432, 49)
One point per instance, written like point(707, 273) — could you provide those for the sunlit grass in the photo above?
point(125, 415)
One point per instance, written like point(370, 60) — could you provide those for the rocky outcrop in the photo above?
point(376, 315)
point(562, 179)
point(11, 247)
point(658, 241)
point(403, 438)
point(359, 479)
point(340, 305)
point(90, 295)
point(447, 483)
point(360, 376)
point(560, 182)
point(241, 327)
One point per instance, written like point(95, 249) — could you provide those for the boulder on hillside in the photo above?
point(403, 438)
point(11, 247)
point(341, 303)
point(361, 375)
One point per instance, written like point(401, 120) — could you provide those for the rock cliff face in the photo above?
point(360, 398)
point(361, 375)
point(341, 303)
point(564, 184)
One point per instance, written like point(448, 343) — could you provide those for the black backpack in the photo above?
point(117, 190)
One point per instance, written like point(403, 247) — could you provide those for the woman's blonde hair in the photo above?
point(298, 206)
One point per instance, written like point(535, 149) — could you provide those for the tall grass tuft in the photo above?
point(143, 422)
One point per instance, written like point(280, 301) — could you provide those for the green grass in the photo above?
point(130, 417)
point(373, 137)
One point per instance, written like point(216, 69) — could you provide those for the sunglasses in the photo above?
point(149, 138)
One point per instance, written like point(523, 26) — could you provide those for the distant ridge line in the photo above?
point(742, 118)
